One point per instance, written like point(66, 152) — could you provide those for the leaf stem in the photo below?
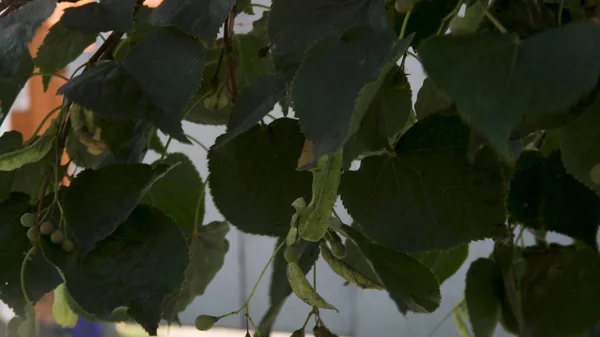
point(262, 274)
point(39, 127)
point(52, 75)
point(204, 147)
point(23, 265)
point(310, 314)
point(494, 21)
point(449, 17)
point(260, 6)
point(256, 331)
point(405, 24)
point(561, 7)
point(437, 326)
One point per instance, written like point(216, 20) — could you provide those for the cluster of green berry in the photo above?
point(46, 228)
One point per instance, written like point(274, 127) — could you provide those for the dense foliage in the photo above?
point(503, 139)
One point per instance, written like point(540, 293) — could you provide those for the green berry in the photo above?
point(291, 253)
point(33, 234)
point(28, 219)
point(211, 102)
point(404, 6)
point(57, 237)
point(47, 227)
point(338, 249)
point(298, 333)
point(67, 245)
point(223, 101)
point(205, 322)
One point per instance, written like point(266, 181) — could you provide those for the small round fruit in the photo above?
point(595, 174)
point(211, 102)
point(291, 254)
point(205, 322)
point(47, 227)
point(33, 234)
point(338, 249)
point(57, 237)
point(67, 246)
point(223, 101)
point(28, 219)
point(404, 6)
point(298, 333)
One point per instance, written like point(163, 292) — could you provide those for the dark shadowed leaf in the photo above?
point(253, 179)
point(580, 143)
point(201, 18)
point(385, 117)
point(294, 26)
point(482, 295)
point(179, 193)
point(431, 99)
point(40, 276)
point(10, 86)
point(429, 195)
point(329, 117)
point(9, 141)
point(280, 288)
point(254, 103)
point(136, 267)
point(444, 263)
point(207, 254)
point(559, 291)
point(102, 16)
point(61, 46)
point(18, 29)
point(523, 79)
point(543, 195)
point(411, 285)
point(97, 201)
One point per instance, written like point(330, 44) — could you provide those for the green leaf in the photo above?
point(543, 195)
point(109, 89)
point(484, 286)
point(11, 86)
point(521, 18)
point(156, 145)
point(31, 153)
point(357, 261)
point(425, 20)
point(61, 311)
point(61, 46)
point(364, 57)
point(523, 79)
point(559, 291)
point(254, 103)
point(29, 326)
point(179, 193)
point(40, 276)
point(207, 255)
point(18, 29)
point(411, 285)
point(201, 19)
point(136, 267)
point(97, 201)
point(312, 219)
point(253, 179)
point(579, 145)
point(102, 16)
point(280, 288)
point(429, 196)
point(130, 147)
point(386, 116)
point(444, 263)
point(30, 177)
point(431, 99)
point(461, 316)
point(294, 26)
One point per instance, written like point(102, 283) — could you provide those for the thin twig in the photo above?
point(494, 21)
